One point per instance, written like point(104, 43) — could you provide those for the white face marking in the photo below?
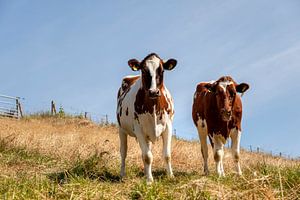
point(152, 64)
point(224, 84)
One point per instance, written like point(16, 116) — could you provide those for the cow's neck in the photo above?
point(219, 125)
point(145, 104)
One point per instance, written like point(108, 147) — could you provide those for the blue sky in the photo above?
point(76, 53)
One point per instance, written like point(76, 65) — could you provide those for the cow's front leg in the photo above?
point(146, 156)
point(219, 142)
point(235, 147)
point(167, 139)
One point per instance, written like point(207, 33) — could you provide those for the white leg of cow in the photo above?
point(123, 150)
point(204, 151)
point(219, 153)
point(146, 156)
point(235, 147)
point(202, 132)
point(167, 138)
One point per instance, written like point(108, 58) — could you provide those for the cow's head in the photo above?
point(224, 90)
point(152, 69)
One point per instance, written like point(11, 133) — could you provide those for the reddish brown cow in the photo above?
point(217, 113)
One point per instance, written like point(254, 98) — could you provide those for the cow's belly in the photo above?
point(147, 125)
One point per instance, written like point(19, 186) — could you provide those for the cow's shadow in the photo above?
point(93, 168)
point(96, 168)
point(162, 174)
point(66, 176)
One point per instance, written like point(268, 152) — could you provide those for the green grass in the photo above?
point(16, 156)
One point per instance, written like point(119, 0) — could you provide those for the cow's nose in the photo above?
point(154, 93)
point(226, 112)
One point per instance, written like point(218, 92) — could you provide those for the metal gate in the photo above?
point(10, 107)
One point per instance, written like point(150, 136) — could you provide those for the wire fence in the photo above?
point(17, 107)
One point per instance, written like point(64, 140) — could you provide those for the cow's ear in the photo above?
point(170, 64)
point(134, 64)
point(241, 88)
point(211, 87)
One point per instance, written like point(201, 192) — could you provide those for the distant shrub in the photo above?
point(61, 112)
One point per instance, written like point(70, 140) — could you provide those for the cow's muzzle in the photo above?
point(226, 114)
point(154, 93)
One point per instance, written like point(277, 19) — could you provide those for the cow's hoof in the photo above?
point(239, 173)
point(171, 176)
point(149, 181)
point(206, 173)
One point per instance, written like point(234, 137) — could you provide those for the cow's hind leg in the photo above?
point(202, 132)
point(123, 150)
point(167, 138)
point(235, 147)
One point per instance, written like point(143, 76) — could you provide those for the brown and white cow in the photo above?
point(217, 113)
point(145, 110)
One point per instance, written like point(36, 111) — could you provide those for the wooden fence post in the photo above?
point(106, 119)
point(53, 109)
point(19, 109)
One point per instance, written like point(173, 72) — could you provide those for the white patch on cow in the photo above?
point(152, 64)
point(224, 84)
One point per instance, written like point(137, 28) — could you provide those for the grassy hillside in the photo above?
point(69, 158)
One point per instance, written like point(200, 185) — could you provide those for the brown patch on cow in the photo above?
point(127, 111)
point(167, 159)
point(147, 159)
point(128, 82)
point(217, 157)
point(205, 107)
point(144, 104)
point(236, 157)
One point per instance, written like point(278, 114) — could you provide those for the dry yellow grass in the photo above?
point(73, 138)
point(70, 139)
